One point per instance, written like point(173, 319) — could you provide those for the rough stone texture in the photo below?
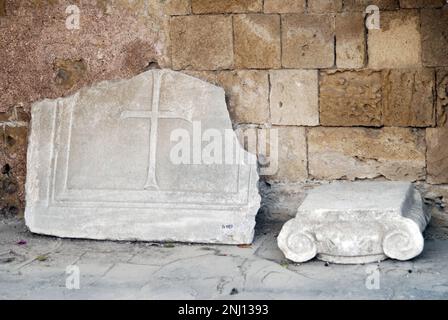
point(434, 37)
point(284, 6)
point(294, 97)
point(324, 6)
point(408, 97)
point(13, 169)
point(13, 141)
point(202, 42)
point(358, 222)
point(398, 43)
point(400, 97)
point(2, 8)
point(247, 93)
point(351, 153)
point(437, 155)
point(361, 5)
point(208, 76)
point(16, 116)
point(292, 154)
point(257, 41)
point(280, 200)
point(437, 196)
point(442, 97)
point(174, 7)
point(308, 41)
point(415, 4)
point(113, 42)
point(350, 40)
point(69, 72)
point(350, 98)
point(248, 138)
point(79, 182)
point(227, 6)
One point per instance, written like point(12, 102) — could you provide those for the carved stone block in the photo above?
point(101, 164)
point(358, 222)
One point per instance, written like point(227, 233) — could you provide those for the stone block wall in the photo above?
point(349, 103)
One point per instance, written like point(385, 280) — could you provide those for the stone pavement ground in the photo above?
point(34, 267)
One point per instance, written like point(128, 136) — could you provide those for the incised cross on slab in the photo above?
point(154, 115)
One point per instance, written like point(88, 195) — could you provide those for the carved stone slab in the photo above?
point(356, 222)
point(100, 164)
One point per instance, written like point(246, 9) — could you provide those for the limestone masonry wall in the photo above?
point(349, 103)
